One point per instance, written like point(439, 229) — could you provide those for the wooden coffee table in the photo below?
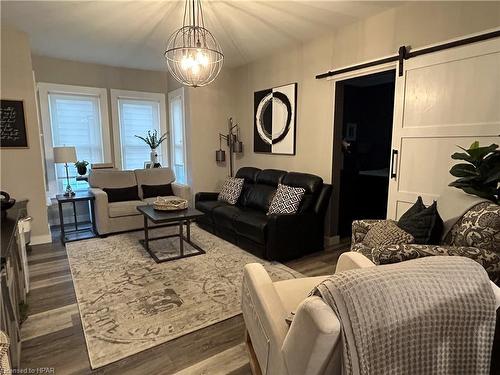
point(171, 217)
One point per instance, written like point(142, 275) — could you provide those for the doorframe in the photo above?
point(337, 118)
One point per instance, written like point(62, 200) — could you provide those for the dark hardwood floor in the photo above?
point(53, 336)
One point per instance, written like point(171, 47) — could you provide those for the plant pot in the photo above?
point(154, 158)
point(82, 170)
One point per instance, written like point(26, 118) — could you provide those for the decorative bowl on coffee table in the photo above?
point(170, 204)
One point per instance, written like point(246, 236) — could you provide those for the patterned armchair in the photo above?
point(475, 235)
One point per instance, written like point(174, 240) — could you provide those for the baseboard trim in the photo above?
point(42, 238)
point(39, 240)
point(332, 240)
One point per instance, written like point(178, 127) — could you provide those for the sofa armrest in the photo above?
point(101, 210)
point(352, 260)
point(206, 196)
point(360, 228)
point(182, 191)
point(312, 339)
point(263, 313)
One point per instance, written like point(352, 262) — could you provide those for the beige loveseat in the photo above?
point(122, 216)
point(312, 345)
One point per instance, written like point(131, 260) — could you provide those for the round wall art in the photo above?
point(275, 120)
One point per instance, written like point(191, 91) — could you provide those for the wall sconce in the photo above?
point(233, 142)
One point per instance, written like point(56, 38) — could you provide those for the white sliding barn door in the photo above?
point(443, 99)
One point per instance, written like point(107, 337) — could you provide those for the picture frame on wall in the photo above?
point(12, 124)
point(275, 120)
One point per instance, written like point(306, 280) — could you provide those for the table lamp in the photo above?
point(65, 155)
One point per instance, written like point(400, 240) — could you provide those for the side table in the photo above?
point(82, 232)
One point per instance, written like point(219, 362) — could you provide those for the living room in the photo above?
point(267, 159)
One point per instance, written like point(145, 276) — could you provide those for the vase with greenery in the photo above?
point(81, 167)
point(480, 174)
point(153, 141)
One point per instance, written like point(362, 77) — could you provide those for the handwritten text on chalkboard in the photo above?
point(12, 124)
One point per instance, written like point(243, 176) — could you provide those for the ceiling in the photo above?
point(134, 33)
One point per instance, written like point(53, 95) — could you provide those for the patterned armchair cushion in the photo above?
point(386, 233)
point(360, 247)
point(479, 227)
point(359, 230)
point(398, 253)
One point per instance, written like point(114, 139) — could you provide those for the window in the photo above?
point(136, 113)
point(177, 135)
point(73, 116)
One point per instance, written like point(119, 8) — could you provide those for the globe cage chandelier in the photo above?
point(194, 57)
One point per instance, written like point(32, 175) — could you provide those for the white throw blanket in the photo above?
point(433, 315)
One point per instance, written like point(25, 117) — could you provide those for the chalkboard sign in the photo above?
point(12, 124)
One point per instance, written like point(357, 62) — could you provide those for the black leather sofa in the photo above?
point(272, 237)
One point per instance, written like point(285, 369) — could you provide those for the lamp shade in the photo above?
point(238, 147)
point(220, 155)
point(65, 154)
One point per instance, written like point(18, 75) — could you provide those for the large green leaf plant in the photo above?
point(152, 139)
point(480, 175)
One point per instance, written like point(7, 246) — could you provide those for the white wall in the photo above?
point(22, 169)
point(416, 24)
point(208, 110)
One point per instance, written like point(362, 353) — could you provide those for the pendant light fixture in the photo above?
point(194, 57)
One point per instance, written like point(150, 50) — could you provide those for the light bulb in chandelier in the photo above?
point(194, 57)
point(201, 58)
point(195, 69)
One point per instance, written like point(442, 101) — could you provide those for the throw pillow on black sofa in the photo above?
point(273, 237)
point(286, 200)
point(231, 190)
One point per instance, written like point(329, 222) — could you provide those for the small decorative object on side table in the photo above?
point(65, 155)
point(81, 167)
point(82, 232)
point(153, 141)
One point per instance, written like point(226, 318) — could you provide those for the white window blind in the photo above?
point(75, 121)
point(177, 137)
point(137, 117)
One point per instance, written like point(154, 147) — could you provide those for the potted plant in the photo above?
point(480, 175)
point(81, 167)
point(153, 141)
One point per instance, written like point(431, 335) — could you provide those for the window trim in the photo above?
point(115, 117)
point(44, 89)
point(180, 92)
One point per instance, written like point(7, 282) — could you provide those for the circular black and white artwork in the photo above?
point(274, 120)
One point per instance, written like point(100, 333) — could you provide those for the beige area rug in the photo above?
point(129, 303)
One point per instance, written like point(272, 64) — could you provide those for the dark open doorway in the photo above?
point(362, 144)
